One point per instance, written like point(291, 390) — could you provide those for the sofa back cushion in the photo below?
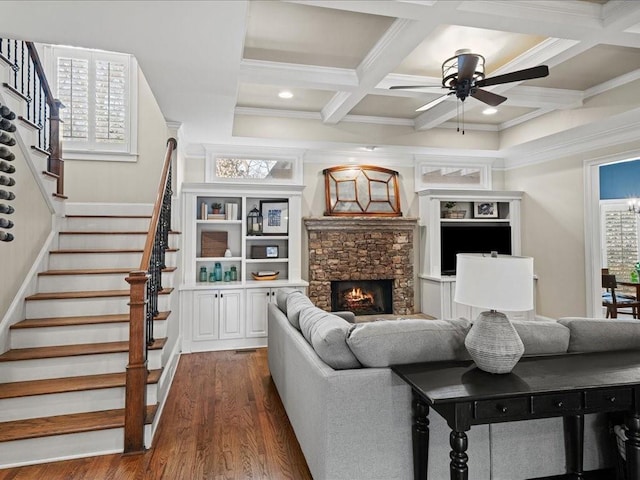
point(281, 297)
point(295, 303)
point(327, 334)
point(542, 337)
point(394, 342)
point(600, 334)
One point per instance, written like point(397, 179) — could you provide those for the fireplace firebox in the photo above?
point(362, 297)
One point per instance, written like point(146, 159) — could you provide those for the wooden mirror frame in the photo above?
point(357, 190)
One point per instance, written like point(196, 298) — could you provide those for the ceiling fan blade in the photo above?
point(467, 64)
point(517, 76)
point(433, 103)
point(490, 98)
point(411, 87)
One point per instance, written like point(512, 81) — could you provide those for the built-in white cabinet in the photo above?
point(258, 300)
point(462, 220)
point(231, 313)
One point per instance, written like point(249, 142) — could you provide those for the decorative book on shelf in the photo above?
point(213, 244)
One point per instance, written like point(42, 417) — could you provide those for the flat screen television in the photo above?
point(477, 238)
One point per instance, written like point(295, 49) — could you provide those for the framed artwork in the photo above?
point(264, 251)
point(275, 217)
point(485, 209)
point(361, 190)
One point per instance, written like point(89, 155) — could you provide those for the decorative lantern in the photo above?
point(254, 222)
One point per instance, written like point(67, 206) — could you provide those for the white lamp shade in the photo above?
point(502, 283)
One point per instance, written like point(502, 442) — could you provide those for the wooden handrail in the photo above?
point(144, 287)
point(37, 65)
point(148, 246)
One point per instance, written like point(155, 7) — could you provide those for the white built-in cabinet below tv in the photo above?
point(226, 315)
point(437, 291)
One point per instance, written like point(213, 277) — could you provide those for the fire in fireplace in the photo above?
point(362, 297)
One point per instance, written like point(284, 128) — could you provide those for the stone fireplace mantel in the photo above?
point(361, 248)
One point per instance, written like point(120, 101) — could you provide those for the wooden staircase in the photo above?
point(62, 381)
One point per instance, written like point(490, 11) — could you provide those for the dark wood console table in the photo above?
point(566, 386)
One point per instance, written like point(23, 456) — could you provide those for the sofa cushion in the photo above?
point(327, 334)
point(294, 305)
point(542, 337)
point(393, 342)
point(281, 297)
point(600, 334)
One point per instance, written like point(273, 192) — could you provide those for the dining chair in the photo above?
point(614, 302)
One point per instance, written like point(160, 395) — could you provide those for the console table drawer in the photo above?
point(619, 397)
point(556, 403)
point(507, 407)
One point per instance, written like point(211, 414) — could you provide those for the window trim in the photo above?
point(71, 150)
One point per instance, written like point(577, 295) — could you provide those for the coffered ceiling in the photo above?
point(218, 67)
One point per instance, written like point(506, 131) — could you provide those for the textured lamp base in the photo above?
point(493, 343)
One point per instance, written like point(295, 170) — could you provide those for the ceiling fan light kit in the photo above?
point(463, 75)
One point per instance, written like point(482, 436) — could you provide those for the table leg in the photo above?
point(420, 436)
point(632, 446)
point(574, 443)
point(458, 466)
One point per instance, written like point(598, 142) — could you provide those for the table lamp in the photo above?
point(495, 282)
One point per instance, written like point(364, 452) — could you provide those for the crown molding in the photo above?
point(620, 129)
point(290, 74)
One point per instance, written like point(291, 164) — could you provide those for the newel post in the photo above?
point(136, 377)
point(56, 162)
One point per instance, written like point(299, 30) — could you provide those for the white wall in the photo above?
point(124, 182)
point(553, 228)
point(32, 219)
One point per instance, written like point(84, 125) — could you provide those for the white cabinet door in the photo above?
point(205, 316)
point(257, 301)
point(230, 314)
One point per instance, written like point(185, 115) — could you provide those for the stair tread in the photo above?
point(69, 384)
point(98, 271)
point(67, 424)
point(80, 320)
point(87, 294)
point(33, 353)
point(104, 250)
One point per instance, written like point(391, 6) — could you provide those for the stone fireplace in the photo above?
point(362, 248)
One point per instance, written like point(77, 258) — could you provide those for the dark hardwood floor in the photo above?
point(223, 420)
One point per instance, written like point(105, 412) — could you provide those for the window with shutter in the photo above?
point(99, 92)
point(620, 239)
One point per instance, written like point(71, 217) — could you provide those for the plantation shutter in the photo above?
point(110, 101)
point(73, 92)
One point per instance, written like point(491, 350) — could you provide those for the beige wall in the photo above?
point(553, 228)
point(124, 182)
point(32, 219)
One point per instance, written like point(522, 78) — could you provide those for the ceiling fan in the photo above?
point(463, 75)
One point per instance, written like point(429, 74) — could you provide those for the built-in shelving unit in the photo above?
point(502, 208)
point(222, 315)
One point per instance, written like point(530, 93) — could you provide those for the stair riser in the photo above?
point(61, 261)
point(37, 406)
point(51, 336)
point(84, 306)
point(49, 449)
point(80, 241)
point(80, 283)
point(41, 368)
point(104, 224)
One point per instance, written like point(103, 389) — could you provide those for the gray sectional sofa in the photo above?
point(352, 415)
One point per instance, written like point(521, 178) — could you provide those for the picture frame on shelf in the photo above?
point(275, 214)
point(485, 209)
point(264, 251)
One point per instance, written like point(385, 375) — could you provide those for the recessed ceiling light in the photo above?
point(370, 148)
point(285, 94)
point(490, 111)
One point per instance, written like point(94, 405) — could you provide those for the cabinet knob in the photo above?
point(560, 404)
point(502, 408)
point(267, 294)
point(612, 398)
point(221, 295)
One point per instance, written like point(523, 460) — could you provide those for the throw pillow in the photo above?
point(281, 297)
point(600, 334)
point(327, 334)
point(542, 337)
point(294, 305)
point(396, 342)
